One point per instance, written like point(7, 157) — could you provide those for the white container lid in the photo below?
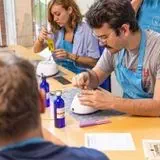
point(47, 68)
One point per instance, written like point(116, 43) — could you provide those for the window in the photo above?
point(2, 25)
point(39, 15)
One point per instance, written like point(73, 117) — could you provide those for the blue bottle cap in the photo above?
point(53, 93)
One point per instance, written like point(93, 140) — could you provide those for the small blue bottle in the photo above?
point(45, 86)
point(59, 111)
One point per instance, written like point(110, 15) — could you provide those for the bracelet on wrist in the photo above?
point(71, 56)
point(76, 58)
point(68, 56)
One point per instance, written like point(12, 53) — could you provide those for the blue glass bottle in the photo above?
point(45, 86)
point(59, 111)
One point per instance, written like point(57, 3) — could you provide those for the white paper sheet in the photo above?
point(151, 149)
point(110, 141)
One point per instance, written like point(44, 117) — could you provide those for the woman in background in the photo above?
point(74, 41)
point(148, 13)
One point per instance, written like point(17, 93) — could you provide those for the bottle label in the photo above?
point(47, 95)
point(60, 113)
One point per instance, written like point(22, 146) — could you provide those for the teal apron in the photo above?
point(149, 15)
point(131, 82)
point(67, 63)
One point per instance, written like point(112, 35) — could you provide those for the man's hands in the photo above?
point(81, 80)
point(98, 99)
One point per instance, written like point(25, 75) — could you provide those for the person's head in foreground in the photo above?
point(20, 125)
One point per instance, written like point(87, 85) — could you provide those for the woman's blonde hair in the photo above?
point(75, 17)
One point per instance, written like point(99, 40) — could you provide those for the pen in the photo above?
point(93, 123)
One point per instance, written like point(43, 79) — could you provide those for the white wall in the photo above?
point(9, 8)
point(24, 24)
point(18, 19)
point(0, 36)
point(84, 5)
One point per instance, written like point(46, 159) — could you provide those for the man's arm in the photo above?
point(136, 4)
point(97, 76)
point(104, 100)
point(143, 107)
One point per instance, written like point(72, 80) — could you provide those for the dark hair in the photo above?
point(113, 12)
point(75, 17)
point(19, 97)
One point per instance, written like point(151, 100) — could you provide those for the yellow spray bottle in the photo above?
point(51, 45)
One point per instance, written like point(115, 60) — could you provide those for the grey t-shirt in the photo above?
point(151, 64)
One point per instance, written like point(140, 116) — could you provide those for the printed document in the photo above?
point(110, 141)
point(151, 149)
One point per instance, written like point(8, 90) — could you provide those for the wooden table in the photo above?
point(28, 54)
point(139, 127)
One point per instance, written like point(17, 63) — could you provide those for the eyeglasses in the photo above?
point(103, 37)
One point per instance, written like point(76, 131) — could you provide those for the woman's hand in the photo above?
point(61, 53)
point(43, 34)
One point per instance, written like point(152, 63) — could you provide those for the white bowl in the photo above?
point(76, 107)
point(47, 68)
